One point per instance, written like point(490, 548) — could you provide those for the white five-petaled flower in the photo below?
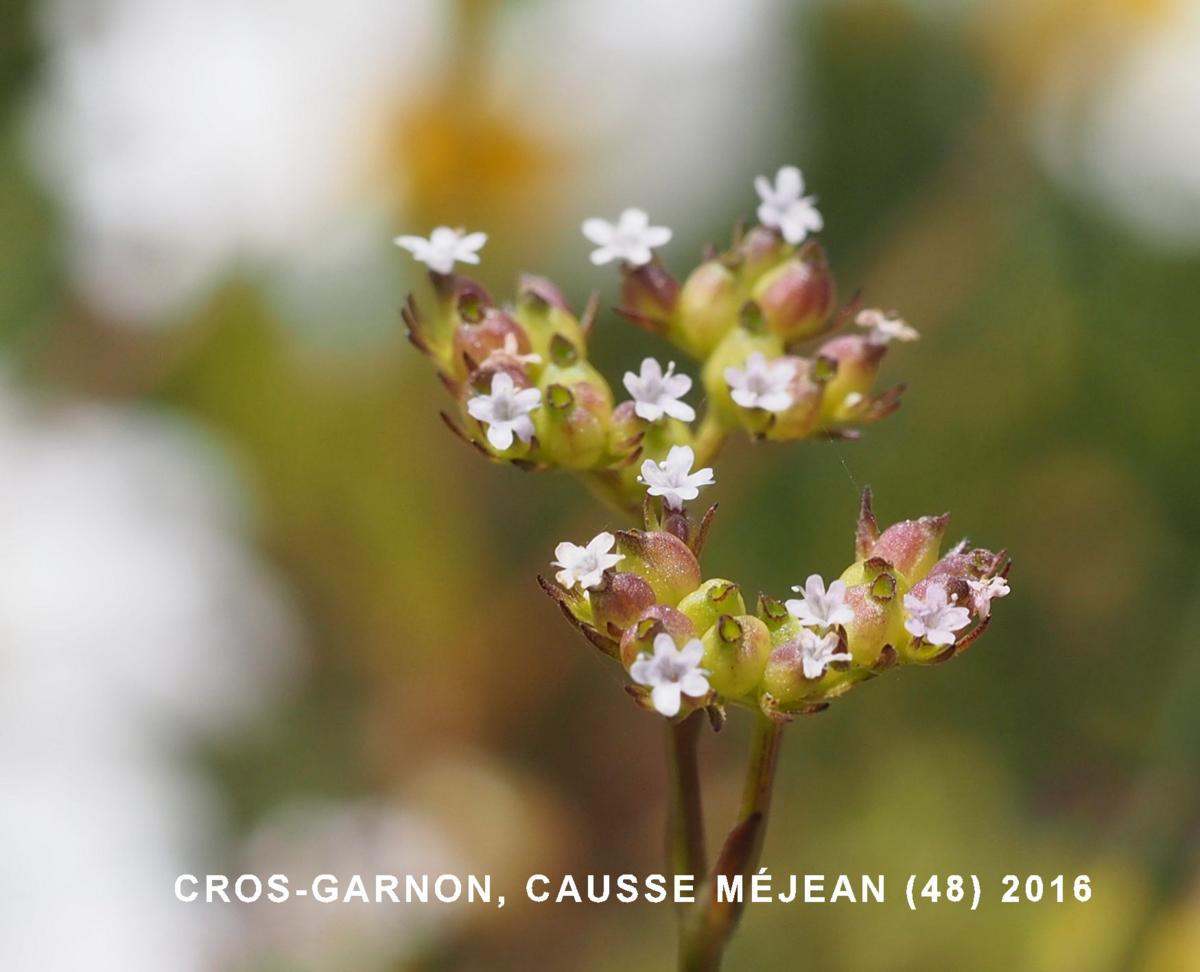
point(820, 607)
point(671, 673)
point(444, 248)
point(585, 565)
point(885, 327)
point(656, 394)
point(673, 479)
point(762, 384)
point(935, 617)
point(982, 592)
point(818, 651)
point(505, 411)
point(785, 207)
point(631, 238)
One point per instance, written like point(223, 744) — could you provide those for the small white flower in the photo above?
point(885, 328)
point(444, 248)
point(983, 591)
point(513, 350)
point(671, 673)
point(585, 565)
point(934, 617)
point(631, 238)
point(853, 400)
point(785, 207)
point(673, 479)
point(818, 651)
point(820, 608)
point(505, 411)
point(762, 384)
point(656, 394)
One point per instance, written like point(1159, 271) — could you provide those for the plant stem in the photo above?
point(703, 944)
point(685, 815)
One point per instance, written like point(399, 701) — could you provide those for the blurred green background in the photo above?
point(198, 201)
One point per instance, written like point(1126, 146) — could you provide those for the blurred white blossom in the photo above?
point(135, 620)
point(1125, 133)
point(188, 139)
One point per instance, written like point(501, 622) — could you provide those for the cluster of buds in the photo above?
point(688, 643)
point(758, 319)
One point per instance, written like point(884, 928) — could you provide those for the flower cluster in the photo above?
point(689, 643)
point(757, 319)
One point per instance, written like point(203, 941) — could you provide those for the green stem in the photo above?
point(685, 816)
point(704, 943)
point(710, 436)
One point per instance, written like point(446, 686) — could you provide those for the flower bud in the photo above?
point(478, 337)
point(543, 315)
point(878, 619)
point(707, 308)
point(796, 297)
point(710, 600)
point(657, 618)
point(911, 546)
point(648, 295)
point(663, 560)
point(783, 677)
point(572, 426)
point(625, 430)
point(758, 251)
point(735, 654)
point(619, 601)
point(852, 363)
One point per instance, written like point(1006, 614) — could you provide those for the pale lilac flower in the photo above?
point(762, 384)
point(983, 591)
point(631, 238)
point(785, 207)
point(885, 328)
point(820, 608)
point(656, 394)
point(444, 248)
point(585, 565)
point(671, 673)
point(673, 479)
point(505, 411)
point(817, 652)
point(935, 617)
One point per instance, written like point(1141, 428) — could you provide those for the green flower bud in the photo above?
point(710, 600)
point(796, 297)
point(707, 308)
point(809, 667)
point(542, 313)
point(663, 560)
point(878, 619)
point(911, 546)
point(735, 654)
point(572, 426)
point(657, 618)
point(619, 601)
point(852, 364)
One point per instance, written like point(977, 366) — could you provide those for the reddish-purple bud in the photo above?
point(664, 560)
point(536, 288)
point(493, 330)
point(648, 295)
point(757, 252)
point(911, 546)
point(878, 619)
point(796, 298)
point(619, 601)
point(655, 620)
